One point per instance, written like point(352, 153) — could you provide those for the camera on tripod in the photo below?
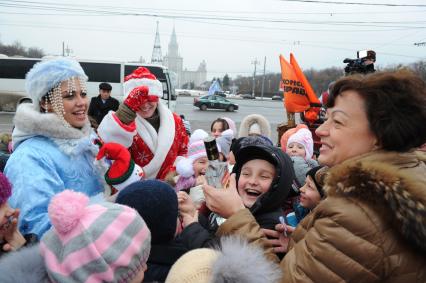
point(363, 64)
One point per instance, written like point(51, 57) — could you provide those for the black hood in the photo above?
point(284, 175)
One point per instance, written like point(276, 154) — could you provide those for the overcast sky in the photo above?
point(228, 34)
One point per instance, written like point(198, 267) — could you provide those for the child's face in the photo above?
point(296, 149)
point(255, 179)
point(217, 129)
point(309, 195)
point(200, 166)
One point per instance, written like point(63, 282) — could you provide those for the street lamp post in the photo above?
point(255, 62)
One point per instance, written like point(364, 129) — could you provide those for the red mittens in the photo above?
point(139, 96)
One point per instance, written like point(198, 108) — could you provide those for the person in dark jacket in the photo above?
point(263, 179)
point(103, 103)
point(157, 203)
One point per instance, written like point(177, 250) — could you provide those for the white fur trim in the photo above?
point(136, 175)
point(155, 86)
point(110, 131)
point(197, 135)
point(160, 143)
point(185, 168)
point(29, 122)
point(265, 127)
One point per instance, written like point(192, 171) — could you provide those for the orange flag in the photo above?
point(313, 99)
point(298, 93)
point(295, 99)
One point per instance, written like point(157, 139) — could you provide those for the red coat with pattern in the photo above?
point(142, 155)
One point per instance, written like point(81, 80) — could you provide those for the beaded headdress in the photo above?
point(45, 79)
point(54, 96)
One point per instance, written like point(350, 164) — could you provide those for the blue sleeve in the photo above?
point(35, 180)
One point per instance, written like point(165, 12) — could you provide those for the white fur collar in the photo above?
point(159, 143)
point(29, 123)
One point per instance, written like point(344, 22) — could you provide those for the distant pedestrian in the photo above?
point(103, 103)
point(186, 124)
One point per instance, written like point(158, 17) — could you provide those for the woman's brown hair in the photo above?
point(395, 104)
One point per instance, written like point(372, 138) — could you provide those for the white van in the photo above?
point(13, 71)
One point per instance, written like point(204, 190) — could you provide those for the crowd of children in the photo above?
point(122, 205)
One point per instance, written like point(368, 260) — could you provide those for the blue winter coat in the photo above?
point(43, 166)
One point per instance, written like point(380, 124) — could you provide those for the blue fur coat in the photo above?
point(48, 157)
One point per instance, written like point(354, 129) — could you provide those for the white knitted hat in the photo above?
point(196, 149)
point(304, 137)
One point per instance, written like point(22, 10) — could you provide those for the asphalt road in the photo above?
point(273, 111)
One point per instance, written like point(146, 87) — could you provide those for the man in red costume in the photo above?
point(155, 136)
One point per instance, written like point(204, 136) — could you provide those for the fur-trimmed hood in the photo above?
point(250, 120)
point(396, 181)
point(24, 265)
point(29, 122)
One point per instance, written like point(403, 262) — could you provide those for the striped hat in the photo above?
point(104, 242)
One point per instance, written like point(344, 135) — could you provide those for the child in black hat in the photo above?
point(310, 195)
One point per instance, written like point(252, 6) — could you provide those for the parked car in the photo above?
point(214, 102)
point(247, 96)
point(277, 97)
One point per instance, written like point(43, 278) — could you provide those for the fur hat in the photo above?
point(142, 77)
point(104, 242)
point(288, 133)
point(224, 141)
point(5, 189)
point(196, 149)
point(24, 265)
point(304, 137)
point(236, 261)
point(157, 203)
point(46, 75)
point(255, 124)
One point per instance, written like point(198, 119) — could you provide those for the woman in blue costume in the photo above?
point(53, 143)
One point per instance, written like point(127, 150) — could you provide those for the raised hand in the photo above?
point(224, 202)
point(138, 97)
point(279, 238)
point(10, 232)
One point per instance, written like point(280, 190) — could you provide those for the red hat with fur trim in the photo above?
point(142, 77)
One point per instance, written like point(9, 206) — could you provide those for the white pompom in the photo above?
point(185, 168)
point(198, 135)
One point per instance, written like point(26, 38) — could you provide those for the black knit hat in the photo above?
point(157, 203)
point(317, 178)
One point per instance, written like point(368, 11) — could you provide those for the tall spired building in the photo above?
point(172, 59)
point(175, 64)
point(157, 58)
